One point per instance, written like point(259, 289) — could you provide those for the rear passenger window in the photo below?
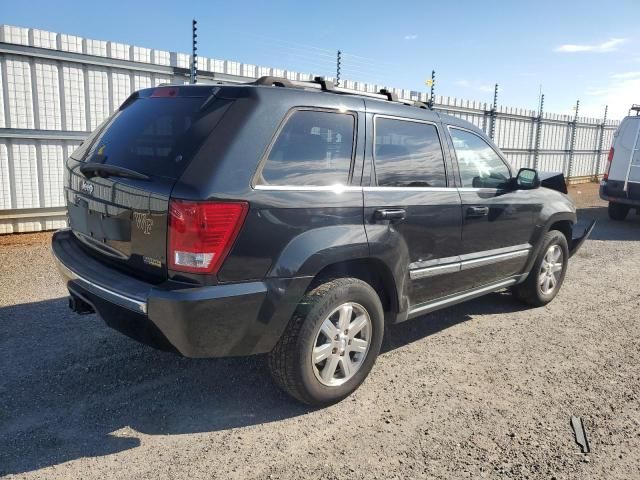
point(479, 164)
point(313, 148)
point(408, 154)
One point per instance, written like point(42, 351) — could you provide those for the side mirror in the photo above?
point(527, 179)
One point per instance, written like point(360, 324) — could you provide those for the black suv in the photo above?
point(297, 221)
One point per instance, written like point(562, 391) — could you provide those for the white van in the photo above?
point(620, 185)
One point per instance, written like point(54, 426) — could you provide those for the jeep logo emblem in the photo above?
point(86, 187)
point(143, 222)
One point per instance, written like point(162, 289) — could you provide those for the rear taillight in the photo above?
point(202, 233)
point(609, 160)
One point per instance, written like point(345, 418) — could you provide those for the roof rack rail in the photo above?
point(635, 108)
point(273, 82)
point(326, 85)
point(391, 96)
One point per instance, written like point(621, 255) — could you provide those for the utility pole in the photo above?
point(338, 66)
point(194, 49)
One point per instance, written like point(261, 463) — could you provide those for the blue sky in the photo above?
point(583, 50)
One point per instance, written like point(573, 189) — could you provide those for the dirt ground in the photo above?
point(485, 389)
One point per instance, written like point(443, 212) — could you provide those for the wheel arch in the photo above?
point(370, 270)
point(564, 226)
point(561, 221)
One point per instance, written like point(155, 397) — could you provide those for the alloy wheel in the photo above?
point(342, 344)
point(551, 269)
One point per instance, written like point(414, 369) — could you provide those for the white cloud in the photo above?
point(625, 75)
point(608, 46)
point(410, 37)
point(623, 90)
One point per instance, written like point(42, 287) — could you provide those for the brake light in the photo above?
point(609, 160)
point(164, 92)
point(202, 233)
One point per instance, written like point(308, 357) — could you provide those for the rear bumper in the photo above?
point(213, 321)
point(631, 200)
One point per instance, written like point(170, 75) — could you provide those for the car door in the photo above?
point(412, 212)
point(497, 220)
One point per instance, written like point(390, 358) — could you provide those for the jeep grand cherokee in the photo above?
point(296, 220)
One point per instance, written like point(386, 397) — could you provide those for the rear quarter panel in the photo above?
point(288, 231)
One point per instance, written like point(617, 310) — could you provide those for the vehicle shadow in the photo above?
point(607, 229)
point(69, 382)
point(402, 334)
point(72, 388)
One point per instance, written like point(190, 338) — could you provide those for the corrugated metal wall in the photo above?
point(57, 87)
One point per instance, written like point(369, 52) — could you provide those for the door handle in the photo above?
point(477, 212)
point(393, 214)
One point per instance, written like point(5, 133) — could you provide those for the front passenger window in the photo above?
point(479, 164)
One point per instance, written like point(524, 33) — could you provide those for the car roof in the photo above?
point(304, 93)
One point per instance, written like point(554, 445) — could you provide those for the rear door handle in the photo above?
point(393, 214)
point(477, 212)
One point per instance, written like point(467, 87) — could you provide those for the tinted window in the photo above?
point(313, 148)
point(154, 136)
point(479, 164)
point(408, 154)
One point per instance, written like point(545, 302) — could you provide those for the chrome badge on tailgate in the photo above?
point(143, 222)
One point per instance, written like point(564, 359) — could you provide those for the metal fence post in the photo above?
point(536, 151)
point(600, 142)
point(494, 113)
point(338, 67)
point(431, 102)
point(574, 128)
point(194, 51)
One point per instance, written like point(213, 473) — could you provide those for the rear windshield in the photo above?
point(154, 136)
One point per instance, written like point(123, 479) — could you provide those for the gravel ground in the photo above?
point(481, 390)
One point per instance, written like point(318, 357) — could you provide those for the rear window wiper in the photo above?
point(91, 169)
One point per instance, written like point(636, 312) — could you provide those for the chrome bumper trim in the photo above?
point(104, 293)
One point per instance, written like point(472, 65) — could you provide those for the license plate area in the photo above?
point(99, 226)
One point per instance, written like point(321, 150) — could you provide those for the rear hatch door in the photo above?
point(118, 183)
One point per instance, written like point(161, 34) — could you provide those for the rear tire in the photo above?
point(331, 342)
point(618, 211)
point(548, 271)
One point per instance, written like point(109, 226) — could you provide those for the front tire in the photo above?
point(331, 342)
point(618, 211)
point(548, 271)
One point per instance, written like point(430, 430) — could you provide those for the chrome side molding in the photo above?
point(442, 266)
